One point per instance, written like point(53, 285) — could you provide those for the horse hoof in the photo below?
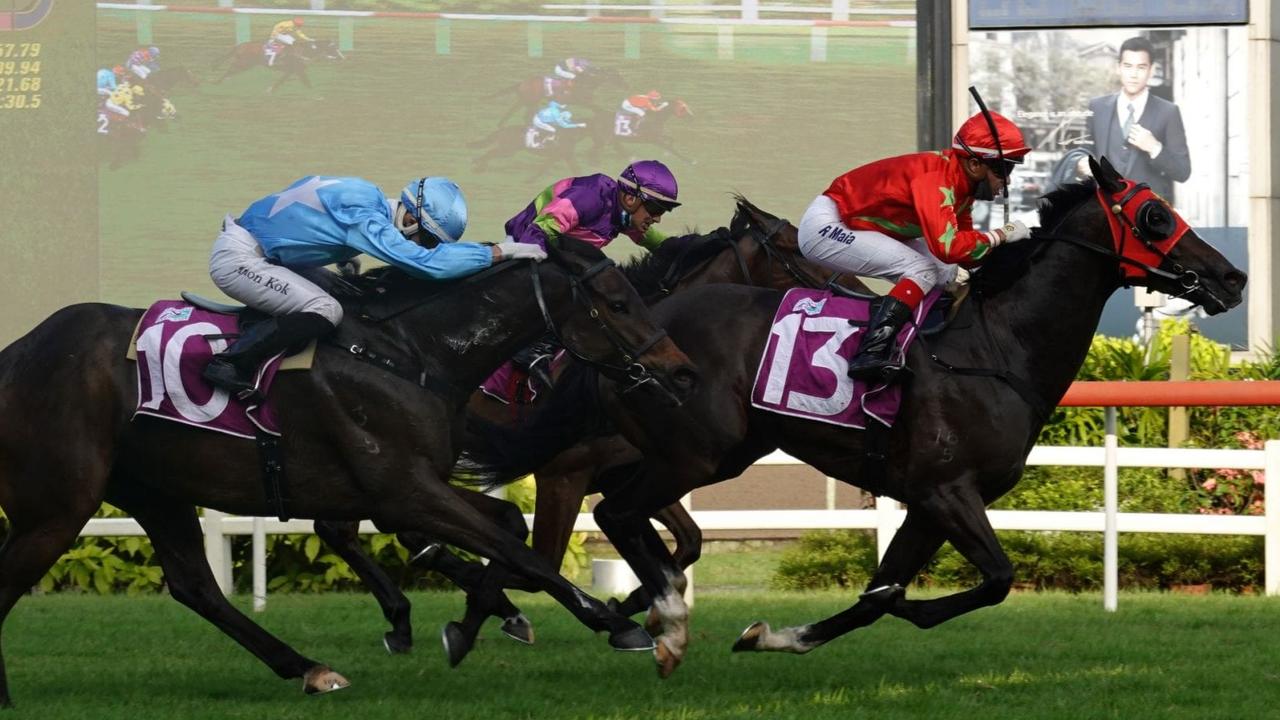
point(322, 679)
point(395, 645)
point(667, 660)
point(456, 643)
point(518, 628)
point(750, 638)
point(633, 639)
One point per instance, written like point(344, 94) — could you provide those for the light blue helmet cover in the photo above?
point(438, 206)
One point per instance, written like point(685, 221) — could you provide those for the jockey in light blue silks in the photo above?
point(322, 220)
point(107, 82)
point(548, 119)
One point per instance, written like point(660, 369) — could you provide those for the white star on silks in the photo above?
point(306, 194)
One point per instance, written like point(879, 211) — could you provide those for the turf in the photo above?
point(1041, 656)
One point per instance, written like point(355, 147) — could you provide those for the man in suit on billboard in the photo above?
point(1140, 133)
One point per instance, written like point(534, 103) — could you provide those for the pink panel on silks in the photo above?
point(803, 372)
point(173, 348)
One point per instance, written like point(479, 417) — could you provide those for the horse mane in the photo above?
point(496, 454)
point(1009, 262)
point(646, 273)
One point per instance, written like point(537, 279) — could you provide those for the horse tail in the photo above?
point(496, 454)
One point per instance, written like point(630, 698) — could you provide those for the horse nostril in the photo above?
point(1235, 280)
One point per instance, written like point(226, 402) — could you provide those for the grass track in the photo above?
point(1038, 655)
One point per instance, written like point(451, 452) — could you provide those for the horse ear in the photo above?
point(1105, 173)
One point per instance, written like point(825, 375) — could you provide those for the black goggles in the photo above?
point(1003, 168)
point(654, 208)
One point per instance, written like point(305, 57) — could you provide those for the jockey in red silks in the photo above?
point(908, 219)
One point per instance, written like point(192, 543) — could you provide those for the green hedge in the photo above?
point(1064, 561)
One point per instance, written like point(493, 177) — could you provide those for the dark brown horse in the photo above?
point(534, 92)
point(757, 249)
point(653, 129)
point(360, 442)
point(975, 401)
point(291, 62)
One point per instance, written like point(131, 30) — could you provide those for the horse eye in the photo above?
point(617, 306)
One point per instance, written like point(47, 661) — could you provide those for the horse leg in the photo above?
point(33, 545)
point(961, 518)
point(342, 537)
point(915, 542)
point(436, 509)
point(622, 517)
point(175, 534)
point(557, 503)
point(688, 536)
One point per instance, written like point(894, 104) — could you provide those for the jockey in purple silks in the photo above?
point(597, 209)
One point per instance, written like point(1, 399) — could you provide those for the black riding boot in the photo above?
point(536, 359)
point(873, 359)
point(235, 368)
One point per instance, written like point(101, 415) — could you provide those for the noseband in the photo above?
point(1144, 230)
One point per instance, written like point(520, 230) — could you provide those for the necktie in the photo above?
point(1128, 125)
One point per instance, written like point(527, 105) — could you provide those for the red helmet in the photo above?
point(974, 138)
point(297, 21)
point(118, 70)
point(654, 95)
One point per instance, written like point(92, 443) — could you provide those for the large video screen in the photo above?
point(226, 116)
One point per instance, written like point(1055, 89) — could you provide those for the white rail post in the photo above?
point(840, 10)
point(1110, 499)
point(750, 10)
point(217, 549)
point(886, 524)
point(259, 564)
point(1271, 566)
point(687, 502)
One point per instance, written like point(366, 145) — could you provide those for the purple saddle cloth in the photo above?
point(804, 369)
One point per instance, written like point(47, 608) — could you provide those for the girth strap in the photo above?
point(404, 369)
point(273, 480)
point(1020, 386)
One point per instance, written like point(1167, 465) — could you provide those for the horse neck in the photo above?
point(503, 318)
point(1041, 327)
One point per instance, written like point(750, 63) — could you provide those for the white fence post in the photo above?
point(217, 549)
point(886, 524)
point(1271, 566)
point(687, 502)
point(1110, 499)
point(259, 564)
point(840, 9)
point(750, 10)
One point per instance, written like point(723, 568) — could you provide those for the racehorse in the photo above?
point(533, 93)
point(360, 441)
point(974, 402)
point(650, 130)
point(757, 249)
point(511, 140)
point(291, 62)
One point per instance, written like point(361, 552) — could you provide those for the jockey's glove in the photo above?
point(521, 251)
point(1012, 231)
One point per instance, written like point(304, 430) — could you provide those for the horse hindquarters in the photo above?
point(65, 393)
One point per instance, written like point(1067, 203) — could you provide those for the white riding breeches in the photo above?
point(240, 270)
point(628, 107)
point(142, 71)
point(544, 127)
point(826, 240)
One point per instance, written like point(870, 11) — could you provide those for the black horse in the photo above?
point(511, 141)
point(653, 129)
point(360, 442)
point(756, 249)
point(977, 396)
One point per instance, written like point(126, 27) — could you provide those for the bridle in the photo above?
point(1144, 230)
point(631, 371)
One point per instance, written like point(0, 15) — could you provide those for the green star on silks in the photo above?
point(948, 197)
point(947, 237)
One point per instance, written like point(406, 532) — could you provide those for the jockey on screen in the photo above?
point(571, 68)
point(284, 34)
point(634, 108)
point(107, 81)
point(553, 116)
point(142, 62)
point(908, 219)
point(322, 220)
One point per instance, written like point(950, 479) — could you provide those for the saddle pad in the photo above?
point(511, 385)
point(804, 369)
point(171, 348)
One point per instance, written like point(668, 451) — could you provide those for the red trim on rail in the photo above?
point(1172, 393)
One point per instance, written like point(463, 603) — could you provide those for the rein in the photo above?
point(635, 373)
